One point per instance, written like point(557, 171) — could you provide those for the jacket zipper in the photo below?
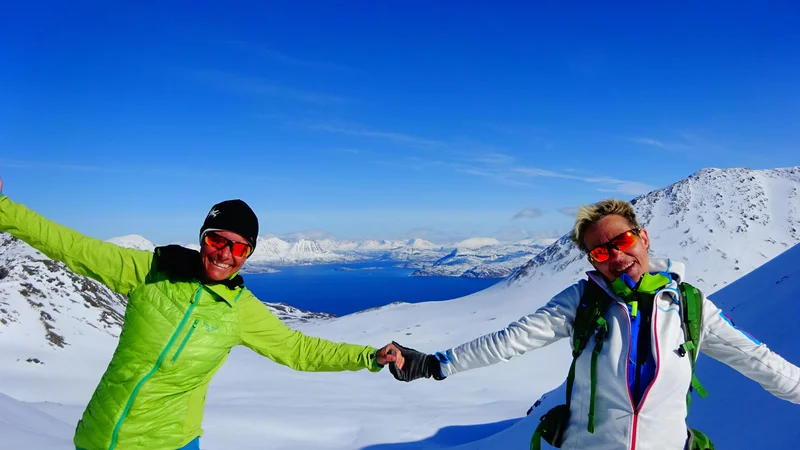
point(637, 408)
point(185, 340)
point(161, 357)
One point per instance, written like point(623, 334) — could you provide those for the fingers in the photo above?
point(388, 354)
point(392, 354)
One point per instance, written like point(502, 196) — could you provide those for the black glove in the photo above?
point(416, 365)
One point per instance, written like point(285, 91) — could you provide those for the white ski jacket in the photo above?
point(660, 422)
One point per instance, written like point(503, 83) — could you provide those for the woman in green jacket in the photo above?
point(186, 310)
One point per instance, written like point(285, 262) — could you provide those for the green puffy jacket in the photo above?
point(176, 334)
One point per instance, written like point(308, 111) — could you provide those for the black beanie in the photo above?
point(235, 216)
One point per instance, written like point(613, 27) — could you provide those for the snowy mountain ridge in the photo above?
point(722, 223)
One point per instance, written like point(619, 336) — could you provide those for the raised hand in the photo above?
point(389, 354)
point(1, 185)
point(415, 365)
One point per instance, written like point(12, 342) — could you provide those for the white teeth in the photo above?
point(626, 267)
point(219, 264)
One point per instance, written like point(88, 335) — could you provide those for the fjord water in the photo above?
point(343, 289)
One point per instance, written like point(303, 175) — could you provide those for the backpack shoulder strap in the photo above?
point(593, 305)
point(588, 319)
point(692, 315)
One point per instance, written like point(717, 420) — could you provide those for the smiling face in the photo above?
point(220, 263)
point(633, 260)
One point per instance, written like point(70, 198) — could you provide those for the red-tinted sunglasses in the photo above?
point(621, 242)
point(238, 249)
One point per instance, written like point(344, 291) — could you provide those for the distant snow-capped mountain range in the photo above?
point(474, 257)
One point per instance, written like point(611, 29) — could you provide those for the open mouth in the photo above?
point(221, 265)
point(623, 269)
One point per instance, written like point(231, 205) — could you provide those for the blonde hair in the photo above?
point(588, 215)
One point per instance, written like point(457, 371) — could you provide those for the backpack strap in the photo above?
point(588, 320)
point(692, 312)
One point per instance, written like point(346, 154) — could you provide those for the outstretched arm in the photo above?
point(264, 333)
point(724, 342)
point(118, 268)
point(548, 324)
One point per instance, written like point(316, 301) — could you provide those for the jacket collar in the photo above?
point(675, 269)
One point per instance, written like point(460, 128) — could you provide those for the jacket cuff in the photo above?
point(372, 363)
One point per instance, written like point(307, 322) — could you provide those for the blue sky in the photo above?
point(375, 121)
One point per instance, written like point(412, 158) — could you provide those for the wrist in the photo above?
point(373, 364)
point(435, 362)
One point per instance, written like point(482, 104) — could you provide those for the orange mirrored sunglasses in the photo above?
point(621, 242)
point(238, 249)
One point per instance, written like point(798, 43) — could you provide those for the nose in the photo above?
point(614, 254)
point(225, 252)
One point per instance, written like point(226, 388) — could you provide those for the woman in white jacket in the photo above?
point(642, 376)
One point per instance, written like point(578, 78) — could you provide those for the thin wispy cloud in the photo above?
point(527, 213)
point(422, 164)
point(284, 58)
point(570, 211)
point(536, 172)
point(39, 165)
point(605, 184)
point(121, 169)
point(621, 186)
point(501, 177)
point(650, 142)
point(517, 175)
point(257, 86)
point(492, 158)
point(491, 164)
point(690, 144)
point(354, 151)
point(353, 130)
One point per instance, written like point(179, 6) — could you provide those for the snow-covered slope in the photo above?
point(23, 426)
point(722, 223)
point(42, 304)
